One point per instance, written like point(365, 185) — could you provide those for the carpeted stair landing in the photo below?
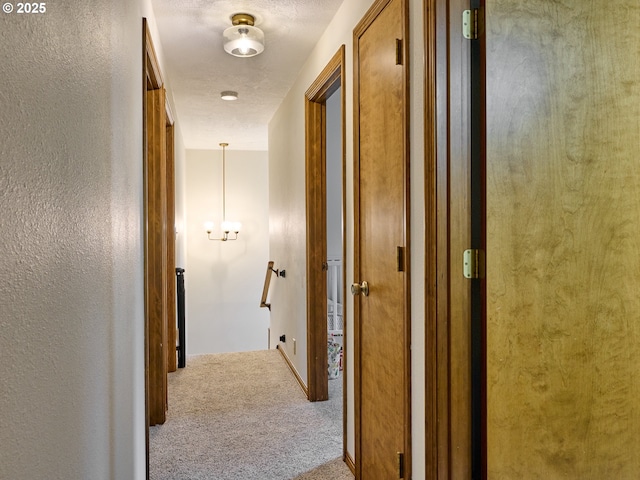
point(242, 416)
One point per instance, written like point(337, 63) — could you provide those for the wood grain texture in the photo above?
point(454, 236)
point(431, 240)
point(265, 287)
point(563, 226)
point(316, 194)
point(156, 250)
point(172, 359)
point(381, 320)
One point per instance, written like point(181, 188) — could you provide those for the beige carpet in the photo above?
point(243, 416)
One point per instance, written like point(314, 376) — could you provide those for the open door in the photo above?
point(563, 235)
point(556, 129)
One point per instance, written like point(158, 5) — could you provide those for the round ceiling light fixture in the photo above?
point(243, 39)
point(229, 95)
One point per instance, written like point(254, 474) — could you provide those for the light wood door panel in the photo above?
point(563, 236)
point(381, 228)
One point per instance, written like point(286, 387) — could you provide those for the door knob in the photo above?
point(360, 289)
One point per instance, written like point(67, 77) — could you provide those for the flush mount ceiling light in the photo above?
point(229, 95)
point(243, 39)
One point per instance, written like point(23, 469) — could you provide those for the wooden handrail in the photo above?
point(267, 282)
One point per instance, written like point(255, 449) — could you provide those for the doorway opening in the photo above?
point(335, 241)
point(325, 204)
point(159, 240)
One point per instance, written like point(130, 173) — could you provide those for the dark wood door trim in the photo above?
point(172, 360)
point(448, 234)
point(156, 248)
point(330, 79)
point(477, 195)
point(432, 66)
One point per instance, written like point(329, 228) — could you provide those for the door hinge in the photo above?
point(400, 258)
point(398, 51)
point(470, 24)
point(474, 265)
point(400, 465)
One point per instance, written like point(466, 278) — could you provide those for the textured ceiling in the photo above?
point(199, 69)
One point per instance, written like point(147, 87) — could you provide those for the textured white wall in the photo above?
point(71, 298)
point(224, 280)
point(181, 192)
point(287, 216)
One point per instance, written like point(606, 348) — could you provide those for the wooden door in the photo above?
point(381, 325)
point(563, 236)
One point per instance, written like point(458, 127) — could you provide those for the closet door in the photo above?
point(382, 354)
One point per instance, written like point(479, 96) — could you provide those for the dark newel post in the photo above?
point(182, 345)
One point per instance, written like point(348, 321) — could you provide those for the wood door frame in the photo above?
point(477, 194)
point(158, 282)
point(328, 81)
point(375, 9)
point(448, 233)
point(152, 80)
point(172, 359)
point(432, 389)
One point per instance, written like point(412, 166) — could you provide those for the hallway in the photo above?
point(243, 416)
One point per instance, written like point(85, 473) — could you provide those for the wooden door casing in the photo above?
point(448, 234)
point(158, 179)
point(156, 254)
point(172, 360)
point(381, 319)
point(329, 81)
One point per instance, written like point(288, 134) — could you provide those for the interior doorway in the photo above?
point(159, 239)
point(335, 240)
point(325, 204)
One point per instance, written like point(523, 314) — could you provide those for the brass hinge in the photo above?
point(470, 24)
point(473, 260)
point(400, 465)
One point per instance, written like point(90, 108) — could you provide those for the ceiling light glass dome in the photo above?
point(243, 39)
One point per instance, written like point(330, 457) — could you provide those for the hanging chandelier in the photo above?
point(226, 226)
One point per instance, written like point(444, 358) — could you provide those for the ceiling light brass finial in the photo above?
point(242, 19)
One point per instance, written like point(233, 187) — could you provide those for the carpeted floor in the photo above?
point(242, 416)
